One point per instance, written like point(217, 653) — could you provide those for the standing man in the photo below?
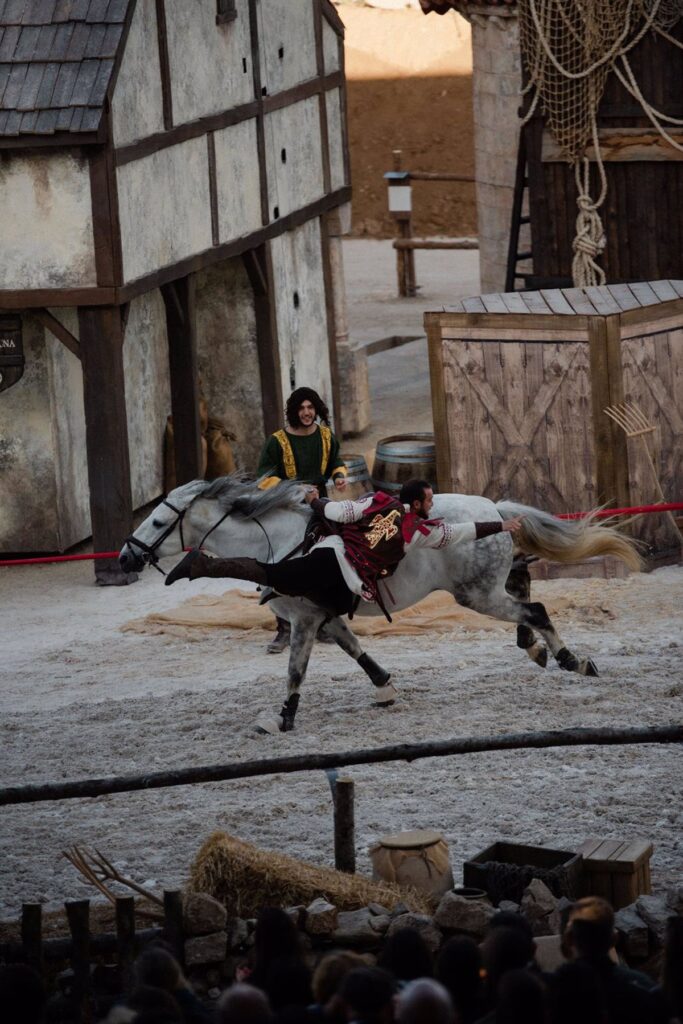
point(305, 450)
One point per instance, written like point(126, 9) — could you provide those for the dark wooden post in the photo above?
point(331, 321)
point(259, 269)
point(32, 934)
point(173, 923)
point(78, 914)
point(607, 388)
point(344, 827)
point(182, 358)
point(106, 429)
point(125, 936)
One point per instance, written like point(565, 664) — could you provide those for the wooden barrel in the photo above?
point(418, 859)
point(358, 480)
point(404, 457)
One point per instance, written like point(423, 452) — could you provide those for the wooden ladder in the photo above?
point(515, 257)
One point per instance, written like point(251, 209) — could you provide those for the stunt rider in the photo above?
point(365, 542)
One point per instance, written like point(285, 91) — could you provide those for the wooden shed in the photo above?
point(520, 382)
point(173, 182)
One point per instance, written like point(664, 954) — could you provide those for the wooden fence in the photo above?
point(520, 382)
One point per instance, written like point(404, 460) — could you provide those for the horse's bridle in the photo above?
point(149, 551)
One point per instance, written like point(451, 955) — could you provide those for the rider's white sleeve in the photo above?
point(346, 511)
point(442, 535)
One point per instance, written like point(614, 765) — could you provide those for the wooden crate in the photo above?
point(616, 869)
point(504, 870)
point(520, 382)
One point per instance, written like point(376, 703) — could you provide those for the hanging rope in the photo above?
point(568, 48)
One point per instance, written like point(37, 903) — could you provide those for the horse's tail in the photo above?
point(568, 540)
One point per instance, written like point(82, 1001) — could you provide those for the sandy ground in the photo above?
point(81, 699)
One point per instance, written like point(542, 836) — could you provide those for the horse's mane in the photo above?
point(243, 497)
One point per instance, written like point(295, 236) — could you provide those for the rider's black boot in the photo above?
point(196, 565)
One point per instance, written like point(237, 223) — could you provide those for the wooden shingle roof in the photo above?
point(56, 62)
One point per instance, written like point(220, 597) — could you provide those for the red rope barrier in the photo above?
point(605, 513)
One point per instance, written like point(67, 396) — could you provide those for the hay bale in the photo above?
point(246, 879)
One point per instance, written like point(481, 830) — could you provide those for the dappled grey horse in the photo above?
point(233, 518)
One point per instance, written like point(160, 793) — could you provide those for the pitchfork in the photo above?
point(633, 422)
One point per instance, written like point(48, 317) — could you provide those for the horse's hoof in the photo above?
point(385, 695)
point(270, 726)
point(541, 658)
point(588, 668)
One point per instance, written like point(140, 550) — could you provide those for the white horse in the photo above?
point(233, 518)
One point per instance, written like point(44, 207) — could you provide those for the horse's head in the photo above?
point(162, 532)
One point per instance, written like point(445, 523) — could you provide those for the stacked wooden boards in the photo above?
point(520, 381)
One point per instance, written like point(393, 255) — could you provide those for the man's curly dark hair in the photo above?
point(296, 400)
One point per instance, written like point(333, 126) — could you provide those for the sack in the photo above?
point(220, 460)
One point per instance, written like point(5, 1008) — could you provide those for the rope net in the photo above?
point(569, 48)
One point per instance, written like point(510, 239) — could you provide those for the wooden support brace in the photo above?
point(59, 331)
point(78, 915)
point(125, 937)
point(182, 356)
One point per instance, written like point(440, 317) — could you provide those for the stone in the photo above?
point(400, 908)
point(206, 949)
point(214, 993)
point(674, 899)
point(508, 907)
point(420, 923)
point(634, 938)
point(380, 922)
point(237, 932)
point(539, 906)
point(321, 917)
point(297, 916)
point(354, 929)
point(202, 914)
point(459, 914)
point(655, 912)
point(378, 910)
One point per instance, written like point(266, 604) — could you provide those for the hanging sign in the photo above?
point(11, 351)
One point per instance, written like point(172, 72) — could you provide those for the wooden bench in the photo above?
point(616, 869)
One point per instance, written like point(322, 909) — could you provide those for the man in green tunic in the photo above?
point(306, 450)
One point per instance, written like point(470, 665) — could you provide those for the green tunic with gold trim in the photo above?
point(311, 458)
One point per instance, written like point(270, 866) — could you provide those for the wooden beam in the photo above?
point(183, 132)
point(260, 125)
point(344, 826)
point(258, 264)
point(182, 352)
point(611, 455)
point(622, 145)
point(213, 188)
point(442, 433)
point(464, 745)
point(164, 65)
point(322, 99)
point(59, 331)
point(106, 430)
point(331, 326)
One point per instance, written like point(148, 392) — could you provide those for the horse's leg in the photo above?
point(384, 691)
point(499, 604)
point(304, 626)
point(518, 584)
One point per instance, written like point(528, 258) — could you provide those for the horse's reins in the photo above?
point(151, 549)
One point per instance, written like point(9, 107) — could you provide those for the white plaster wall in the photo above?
point(148, 394)
point(137, 107)
point(496, 80)
point(299, 180)
point(287, 26)
point(164, 207)
point(46, 233)
point(227, 354)
point(330, 48)
point(68, 435)
point(302, 331)
point(237, 180)
point(28, 506)
point(335, 138)
point(223, 76)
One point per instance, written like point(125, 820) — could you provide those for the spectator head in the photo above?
point(244, 1004)
point(288, 983)
point(458, 968)
point(297, 399)
point(521, 999)
point(576, 994)
point(590, 928)
point(157, 967)
point(510, 919)
point(275, 936)
point(367, 994)
point(406, 955)
point(330, 973)
point(424, 1001)
point(154, 1005)
point(22, 995)
point(505, 949)
point(672, 968)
